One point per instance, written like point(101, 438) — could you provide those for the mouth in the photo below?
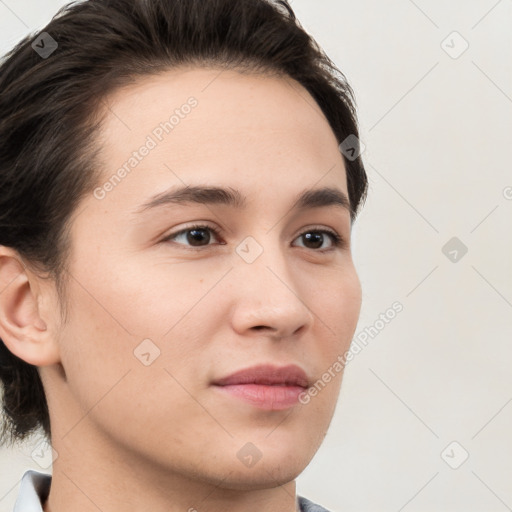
point(266, 387)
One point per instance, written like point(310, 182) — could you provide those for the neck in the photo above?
point(94, 475)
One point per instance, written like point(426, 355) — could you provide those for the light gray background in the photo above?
point(437, 131)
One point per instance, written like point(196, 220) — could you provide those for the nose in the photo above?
point(268, 299)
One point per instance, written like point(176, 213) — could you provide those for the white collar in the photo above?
point(33, 491)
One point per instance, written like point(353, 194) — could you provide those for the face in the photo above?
point(172, 296)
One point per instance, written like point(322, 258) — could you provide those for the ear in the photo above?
point(22, 328)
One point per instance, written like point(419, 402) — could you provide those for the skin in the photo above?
point(160, 437)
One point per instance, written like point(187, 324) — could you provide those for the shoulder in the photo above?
point(34, 490)
point(308, 506)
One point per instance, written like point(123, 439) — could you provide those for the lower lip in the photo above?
point(270, 398)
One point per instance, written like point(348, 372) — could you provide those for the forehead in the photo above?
point(225, 127)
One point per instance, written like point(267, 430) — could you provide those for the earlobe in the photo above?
point(22, 329)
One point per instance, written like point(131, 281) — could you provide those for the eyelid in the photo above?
point(198, 225)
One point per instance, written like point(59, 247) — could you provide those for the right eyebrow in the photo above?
point(195, 194)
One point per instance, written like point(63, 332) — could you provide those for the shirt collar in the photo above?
point(34, 490)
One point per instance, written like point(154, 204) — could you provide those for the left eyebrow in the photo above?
point(326, 196)
point(204, 194)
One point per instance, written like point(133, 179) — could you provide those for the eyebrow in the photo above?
point(204, 194)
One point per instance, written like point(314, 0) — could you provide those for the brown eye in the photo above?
point(198, 236)
point(193, 236)
point(315, 239)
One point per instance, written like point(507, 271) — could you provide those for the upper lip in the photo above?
point(265, 374)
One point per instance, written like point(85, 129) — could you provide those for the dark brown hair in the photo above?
point(51, 97)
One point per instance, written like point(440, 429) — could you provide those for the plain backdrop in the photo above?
point(425, 413)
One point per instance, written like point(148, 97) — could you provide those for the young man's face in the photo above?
point(158, 320)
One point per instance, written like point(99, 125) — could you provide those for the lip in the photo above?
point(266, 386)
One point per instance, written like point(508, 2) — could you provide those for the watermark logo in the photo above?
point(146, 352)
point(454, 45)
point(43, 454)
point(44, 45)
point(454, 249)
point(249, 455)
point(455, 455)
point(352, 147)
point(249, 249)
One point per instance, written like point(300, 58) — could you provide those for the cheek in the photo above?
point(96, 349)
point(339, 305)
point(152, 296)
point(350, 303)
point(121, 319)
point(100, 336)
point(104, 358)
point(336, 306)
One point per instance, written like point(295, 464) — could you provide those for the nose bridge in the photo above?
point(264, 266)
point(268, 294)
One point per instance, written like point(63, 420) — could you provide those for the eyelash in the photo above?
point(337, 240)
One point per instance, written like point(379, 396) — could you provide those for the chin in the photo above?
point(264, 475)
point(268, 463)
